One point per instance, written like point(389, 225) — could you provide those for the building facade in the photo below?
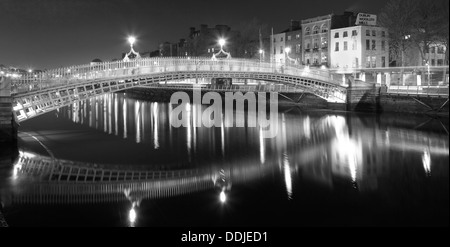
point(315, 39)
point(359, 47)
point(277, 47)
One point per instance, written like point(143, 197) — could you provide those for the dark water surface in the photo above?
point(116, 161)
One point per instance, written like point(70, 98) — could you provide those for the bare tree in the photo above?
point(415, 24)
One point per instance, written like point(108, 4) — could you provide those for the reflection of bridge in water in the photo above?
point(325, 149)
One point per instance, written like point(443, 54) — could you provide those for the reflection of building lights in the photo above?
point(287, 176)
point(223, 196)
point(426, 160)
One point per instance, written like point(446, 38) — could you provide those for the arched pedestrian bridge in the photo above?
point(36, 94)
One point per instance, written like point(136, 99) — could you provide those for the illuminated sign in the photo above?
point(366, 19)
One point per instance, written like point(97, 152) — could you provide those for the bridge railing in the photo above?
point(93, 71)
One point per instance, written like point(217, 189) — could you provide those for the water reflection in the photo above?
point(331, 151)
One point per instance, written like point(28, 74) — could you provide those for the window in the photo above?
point(383, 45)
point(336, 35)
point(281, 49)
point(297, 36)
point(324, 42)
point(209, 50)
point(367, 44)
point(374, 33)
point(308, 45)
point(433, 49)
point(440, 50)
point(374, 62)
point(345, 45)
point(281, 39)
point(354, 33)
point(298, 48)
point(383, 34)
point(367, 61)
point(383, 62)
point(432, 62)
point(307, 31)
point(374, 45)
point(289, 37)
point(316, 43)
point(324, 58)
point(367, 32)
point(336, 47)
point(324, 28)
point(440, 62)
point(345, 34)
point(315, 30)
point(354, 45)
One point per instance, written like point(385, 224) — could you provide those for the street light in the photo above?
point(288, 50)
point(131, 40)
point(261, 54)
point(222, 44)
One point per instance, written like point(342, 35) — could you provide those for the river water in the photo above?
point(322, 169)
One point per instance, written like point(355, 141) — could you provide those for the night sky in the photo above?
point(43, 34)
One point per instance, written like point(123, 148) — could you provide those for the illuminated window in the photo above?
point(289, 37)
point(373, 45)
point(324, 42)
point(374, 62)
point(367, 61)
point(324, 28)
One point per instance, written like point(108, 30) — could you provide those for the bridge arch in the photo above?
point(37, 95)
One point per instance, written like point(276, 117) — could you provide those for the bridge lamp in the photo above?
point(221, 42)
point(30, 71)
point(131, 40)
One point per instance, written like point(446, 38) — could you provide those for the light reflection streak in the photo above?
point(124, 118)
point(426, 160)
point(138, 121)
point(110, 113)
point(116, 114)
point(155, 126)
point(262, 151)
point(188, 130)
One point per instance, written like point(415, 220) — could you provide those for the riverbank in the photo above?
point(368, 102)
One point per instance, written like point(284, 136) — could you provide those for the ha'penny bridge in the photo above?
point(36, 94)
point(33, 94)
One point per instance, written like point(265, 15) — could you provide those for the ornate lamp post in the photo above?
point(131, 40)
point(221, 43)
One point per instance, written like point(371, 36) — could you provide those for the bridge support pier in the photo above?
point(362, 96)
point(8, 130)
